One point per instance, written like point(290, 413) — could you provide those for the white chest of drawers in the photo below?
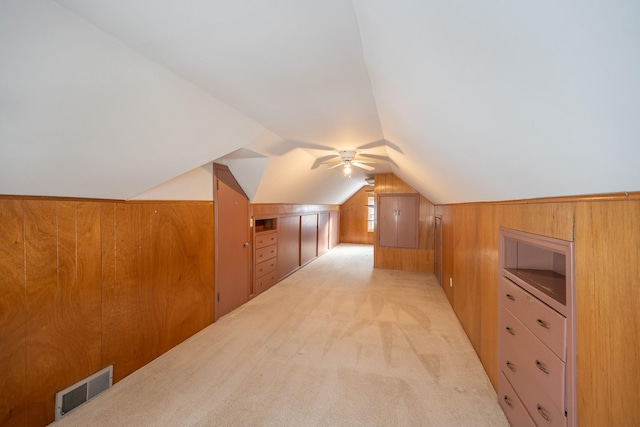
point(536, 332)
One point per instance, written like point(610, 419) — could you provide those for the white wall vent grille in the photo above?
point(82, 391)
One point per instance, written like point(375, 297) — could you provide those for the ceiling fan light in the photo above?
point(347, 169)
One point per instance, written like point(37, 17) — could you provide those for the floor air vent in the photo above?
point(82, 391)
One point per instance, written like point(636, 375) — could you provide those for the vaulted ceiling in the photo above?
point(464, 100)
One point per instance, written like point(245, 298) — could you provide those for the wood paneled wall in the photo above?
point(420, 259)
point(85, 284)
point(353, 218)
point(607, 241)
point(298, 231)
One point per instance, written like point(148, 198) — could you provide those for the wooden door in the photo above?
point(233, 255)
point(398, 220)
point(323, 232)
point(387, 229)
point(437, 266)
point(288, 244)
point(308, 238)
point(408, 207)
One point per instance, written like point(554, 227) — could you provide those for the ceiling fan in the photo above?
point(347, 161)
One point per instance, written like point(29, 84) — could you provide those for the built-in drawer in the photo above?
point(266, 253)
point(265, 239)
point(265, 282)
point(511, 404)
point(266, 267)
point(546, 323)
point(530, 357)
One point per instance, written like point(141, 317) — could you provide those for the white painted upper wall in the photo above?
point(476, 101)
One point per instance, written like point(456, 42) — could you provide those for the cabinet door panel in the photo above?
point(407, 221)
point(387, 229)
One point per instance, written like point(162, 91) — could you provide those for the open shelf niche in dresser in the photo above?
point(265, 259)
point(536, 335)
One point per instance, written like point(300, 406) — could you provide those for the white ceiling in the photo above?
point(468, 100)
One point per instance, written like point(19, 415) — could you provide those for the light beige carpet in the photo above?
point(335, 344)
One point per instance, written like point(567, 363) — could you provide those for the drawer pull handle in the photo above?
point(511, 366)
point(543, 324)
point(543, 414)
point(510, 330)
point(511, 297)
point(542, 367)
point(508, 401)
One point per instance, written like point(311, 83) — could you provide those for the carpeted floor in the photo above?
point(335, 344)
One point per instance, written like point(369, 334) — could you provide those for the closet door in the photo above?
point(398, 220)
point(387, 228)
point(407, 221)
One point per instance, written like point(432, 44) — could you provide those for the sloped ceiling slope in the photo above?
point(505, 100)
point(465, 101)
point(82, 115)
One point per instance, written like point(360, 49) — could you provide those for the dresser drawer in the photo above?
point(545, 323)
point(265, 282)
point(266, 253)
point(511, 405)
point(531, 357)
point(265, 239)
point(266, 267)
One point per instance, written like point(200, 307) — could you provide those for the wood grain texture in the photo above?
point(353, 219)
point(308, 238)
point(265, 210)
point(63, 293)
point(323, 232)
point(86, 284)
point(420, 259)
point(162, 290)
point(13, 316)
point(607, 248)
point(288, 245)
point(334, 229)
point(191, 272)
point(607, 239)
point(41, 248)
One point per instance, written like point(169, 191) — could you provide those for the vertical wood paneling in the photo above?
point(447, 250)
point(44, 353)
point(466, 271)
point(191, 271)
point(125, 327)
point(607, 239)
point(334, 229)
point(288, 244)
point(607, 244)
point(420, 259)
point(144, 271)
point(308, 238)
point(353, 218)
point(155, 242)
point(487, 283)
point(13, 316)
point(323, 232)
point(108, 261)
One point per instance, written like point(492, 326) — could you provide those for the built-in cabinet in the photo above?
point(398, 224)
point(285, 241)
point(265, 244)
point(536, 384)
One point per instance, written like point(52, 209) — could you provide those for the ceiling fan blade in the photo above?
point(336, 165)
point(362, 166)
point(324, 160)
point(378, 157)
